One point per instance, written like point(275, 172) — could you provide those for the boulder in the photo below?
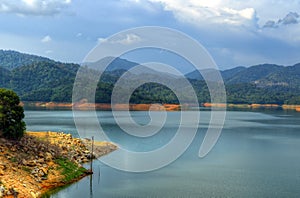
point(1, 173)
point(48, 156)
point(40, 160)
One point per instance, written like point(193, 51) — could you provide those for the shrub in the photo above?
point(12, 125)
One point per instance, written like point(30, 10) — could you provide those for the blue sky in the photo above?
point(235, 32)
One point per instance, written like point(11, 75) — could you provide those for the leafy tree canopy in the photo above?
point(12, 125)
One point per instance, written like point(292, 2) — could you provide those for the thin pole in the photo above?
point(92, 154)
point(91, 186)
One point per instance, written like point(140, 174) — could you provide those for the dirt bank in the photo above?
point(154, 107)
point(41, 161)
point(103, 106)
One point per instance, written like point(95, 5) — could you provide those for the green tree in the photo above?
point(11, 115)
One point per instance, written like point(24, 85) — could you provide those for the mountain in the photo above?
point(229, 73)
point(37, 78)
point(119, 66)
point(12, 59)
point(265, 75)
point(226, 74)
point(112, 64)
point(288, 77)
point(195, 75)
point(40, 81)
point(254, 73)
point(53, 81)
point(5, 77)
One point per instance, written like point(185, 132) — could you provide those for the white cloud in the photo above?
point(251, 13)
point(291, 18)
point(199, 12)
point(102, 40)
point(127, 39)
point(33, 7)
point(130, 39)
point(272, 9)
point(46, 39)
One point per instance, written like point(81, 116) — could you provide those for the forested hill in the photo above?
point(12, 59)
point(37, 78)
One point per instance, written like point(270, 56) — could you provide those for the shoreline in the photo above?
point(103, 106)
point(41, 162)
point(153, 107)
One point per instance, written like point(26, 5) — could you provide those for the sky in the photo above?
point(234, 32)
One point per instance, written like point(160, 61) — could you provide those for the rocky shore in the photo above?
point(102, 106)
point(154, 107)
point(253, 106)
point(41, 161)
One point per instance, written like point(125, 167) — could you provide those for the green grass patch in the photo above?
point(70, 171)
point(25, 168)
point(13, 159)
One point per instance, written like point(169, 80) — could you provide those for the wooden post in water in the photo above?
point(92, 154)
point(91, 186)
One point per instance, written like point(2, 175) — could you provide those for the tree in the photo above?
point(11, 115)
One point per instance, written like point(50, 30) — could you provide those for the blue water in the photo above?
point(257, 155)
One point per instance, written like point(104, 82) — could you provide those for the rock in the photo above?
point(64, 148)
point(13, 149)
point(24, 162)
point(9, 144)
point(44, 170)
point(33, 195)
point(2, 190)
point(48, 156)
point(31, 163)
point(79, 161)
point(2, 166)
point(68, 136)
point(34, 172)
point(40, 160)
point(51, 163)
point(13, 191)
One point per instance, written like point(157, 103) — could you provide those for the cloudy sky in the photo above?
point(235, 32)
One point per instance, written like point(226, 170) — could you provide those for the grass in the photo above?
point(24, 168)
point(13, 159)
point(48, 194)
point(70, 171)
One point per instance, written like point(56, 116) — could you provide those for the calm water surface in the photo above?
point(257, 155)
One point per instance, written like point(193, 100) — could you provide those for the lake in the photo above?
point(257, 155)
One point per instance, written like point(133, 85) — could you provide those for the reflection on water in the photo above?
point(257, 155)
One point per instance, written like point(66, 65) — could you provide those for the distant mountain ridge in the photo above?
point(10, 59)
point(261, 75)
point(37, 78)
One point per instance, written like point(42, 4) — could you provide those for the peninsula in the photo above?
point(42, 161)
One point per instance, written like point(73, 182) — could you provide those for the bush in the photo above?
point(12, 125)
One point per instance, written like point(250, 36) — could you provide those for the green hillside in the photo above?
point(12, 59)
point(41, 79)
